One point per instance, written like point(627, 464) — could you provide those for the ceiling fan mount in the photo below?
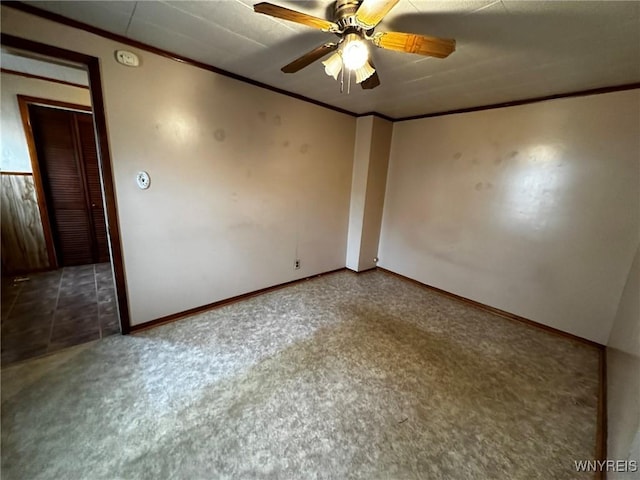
point(354, 23)
point(345, 16)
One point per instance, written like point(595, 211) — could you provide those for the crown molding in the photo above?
point(515, 103)
point(376, 114)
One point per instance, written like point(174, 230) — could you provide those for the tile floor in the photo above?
point(45, 312)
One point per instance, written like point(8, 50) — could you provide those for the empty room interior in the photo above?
point(369, 239)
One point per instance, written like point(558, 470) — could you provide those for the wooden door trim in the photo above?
point(104, 156)
point(47, 102)
point(24, 174)
point(23, 105)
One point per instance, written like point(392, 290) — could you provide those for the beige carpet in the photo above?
point(343, 376)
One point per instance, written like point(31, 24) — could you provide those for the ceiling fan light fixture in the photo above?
point(355, 53)
point(364, 72)
point(333, 65)
point(354, 22)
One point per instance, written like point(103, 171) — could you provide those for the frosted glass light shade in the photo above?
point(333, 65)
point(364, 72)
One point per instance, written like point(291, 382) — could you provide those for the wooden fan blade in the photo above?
point(309, 57)
point(294, 16)
point(371, 12)
point(412, 43)
point(373, 81)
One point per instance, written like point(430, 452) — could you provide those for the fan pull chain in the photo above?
point(349, 83)
point(342, 81)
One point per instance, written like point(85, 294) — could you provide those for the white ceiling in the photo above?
point(506, 50)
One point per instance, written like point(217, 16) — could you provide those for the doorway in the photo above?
point(80, 220)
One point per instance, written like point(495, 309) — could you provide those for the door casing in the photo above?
point(92, 65)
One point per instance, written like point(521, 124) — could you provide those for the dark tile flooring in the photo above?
point(45, 312)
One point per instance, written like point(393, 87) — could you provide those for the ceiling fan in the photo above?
point(354, 23)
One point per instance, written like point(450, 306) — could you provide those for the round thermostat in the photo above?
point(143, 180)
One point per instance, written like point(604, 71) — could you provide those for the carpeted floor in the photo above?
point(343, 376)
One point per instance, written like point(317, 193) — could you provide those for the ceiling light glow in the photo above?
point(354, 52)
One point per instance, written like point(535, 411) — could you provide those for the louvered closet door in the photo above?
point(69, 169)
point(89, 155)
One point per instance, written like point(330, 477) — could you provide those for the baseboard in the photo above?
point(203, 308)
point(497, 311)
point(362, 271)
point(26, 273)
point(602, 433)
point(601, 429)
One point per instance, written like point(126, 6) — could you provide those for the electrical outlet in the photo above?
point(296, 264)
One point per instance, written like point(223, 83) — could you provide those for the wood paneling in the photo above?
point(23, 243)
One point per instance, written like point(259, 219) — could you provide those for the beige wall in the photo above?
point(370, 162)
point(531, 209)
point(243, 180)
point(15, 155)
point(623, 373)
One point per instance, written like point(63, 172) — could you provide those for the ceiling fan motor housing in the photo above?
point(345, 15)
